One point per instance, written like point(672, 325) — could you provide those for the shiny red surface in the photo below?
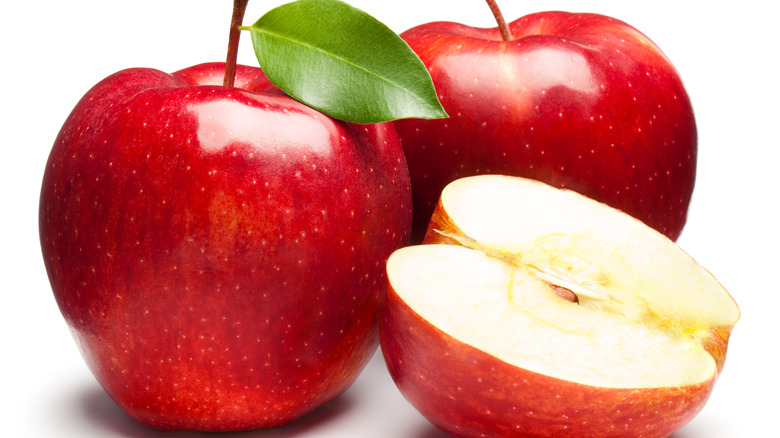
point(219, 252)
point(580, 101)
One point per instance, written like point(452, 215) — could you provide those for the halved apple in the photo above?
point(545, 313)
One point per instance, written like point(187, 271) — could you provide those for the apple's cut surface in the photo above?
point(535, 311)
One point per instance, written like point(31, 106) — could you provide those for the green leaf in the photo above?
point(343, 62)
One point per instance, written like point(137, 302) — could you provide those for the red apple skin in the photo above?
point(219, 253)
point(582, 101)
point(469, 393)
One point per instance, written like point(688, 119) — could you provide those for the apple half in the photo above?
point(535, 311)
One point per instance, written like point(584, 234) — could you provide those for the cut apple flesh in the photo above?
point(558, 284)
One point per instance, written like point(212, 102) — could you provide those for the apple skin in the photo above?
point(468, 393)
point(581, 101)
point(219, 253)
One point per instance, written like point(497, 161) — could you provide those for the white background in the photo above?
point(54, 51)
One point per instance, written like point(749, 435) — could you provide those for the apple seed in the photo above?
point(564, 293)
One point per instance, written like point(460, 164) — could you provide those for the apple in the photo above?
point(219, 252)
point(581, 101)
point(535, 311)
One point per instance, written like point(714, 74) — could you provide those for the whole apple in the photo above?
point(219, 252)
point(580, 101)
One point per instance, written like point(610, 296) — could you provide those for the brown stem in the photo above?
point(502, 26)
point(239, 8)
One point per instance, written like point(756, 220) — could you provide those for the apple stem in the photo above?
point(502, 26)
point(239, 8)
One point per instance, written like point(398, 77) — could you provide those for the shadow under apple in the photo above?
point(429, 431)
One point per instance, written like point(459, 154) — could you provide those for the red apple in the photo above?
point(219, 252)
point(539, 312)
point(581, 101)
